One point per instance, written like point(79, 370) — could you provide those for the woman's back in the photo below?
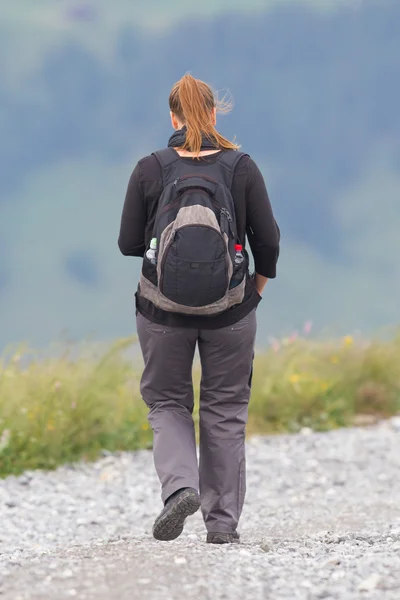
point(254, 219)
point(189, 211)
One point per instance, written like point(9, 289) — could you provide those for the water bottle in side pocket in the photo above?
point(151, 253)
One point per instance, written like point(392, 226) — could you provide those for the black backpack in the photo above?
point(194, 263)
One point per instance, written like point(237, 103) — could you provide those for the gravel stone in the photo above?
point(321, 521)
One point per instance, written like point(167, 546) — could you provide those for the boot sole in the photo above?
point(169, 526)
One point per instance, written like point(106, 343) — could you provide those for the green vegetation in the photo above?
point(60, 410)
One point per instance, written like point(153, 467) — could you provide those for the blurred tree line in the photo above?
point(316, 94)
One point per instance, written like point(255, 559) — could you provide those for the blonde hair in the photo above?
point(192, 101)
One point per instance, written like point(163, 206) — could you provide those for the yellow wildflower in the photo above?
point(334, 360)
point(324, 386)
point(294, 378)
point(33, 413)
point(348, 340)
point(50, 426)
point(145, 426)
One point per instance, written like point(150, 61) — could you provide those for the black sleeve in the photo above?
point(261, 227)
point(131, 240)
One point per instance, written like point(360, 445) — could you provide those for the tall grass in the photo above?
point(69, 408)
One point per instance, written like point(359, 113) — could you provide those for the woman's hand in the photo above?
point(260, 282)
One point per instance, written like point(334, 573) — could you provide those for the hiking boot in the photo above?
point(169, 523)
point(223, 538)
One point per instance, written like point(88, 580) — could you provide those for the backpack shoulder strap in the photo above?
point(166, 157)
point(229, 160)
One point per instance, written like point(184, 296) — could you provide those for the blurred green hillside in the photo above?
point(83, 95)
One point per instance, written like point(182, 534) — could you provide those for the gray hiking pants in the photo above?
point(226, 359)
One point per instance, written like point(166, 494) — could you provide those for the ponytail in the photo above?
point(192, 101)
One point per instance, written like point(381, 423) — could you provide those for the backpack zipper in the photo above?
point(222, 210)
point(225, 212)
point(206, 177)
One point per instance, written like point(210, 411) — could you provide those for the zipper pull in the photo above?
point(176, 181)
point(222, 225)
point(224, 217)
point(225, 211)
point(228, 217)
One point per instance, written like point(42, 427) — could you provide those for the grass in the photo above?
point(70, 408)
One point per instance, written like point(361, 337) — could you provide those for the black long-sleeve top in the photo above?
point(254, 217)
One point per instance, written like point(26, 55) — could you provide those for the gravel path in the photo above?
point(321, 521)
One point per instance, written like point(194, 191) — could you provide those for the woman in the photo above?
point(225, 338)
